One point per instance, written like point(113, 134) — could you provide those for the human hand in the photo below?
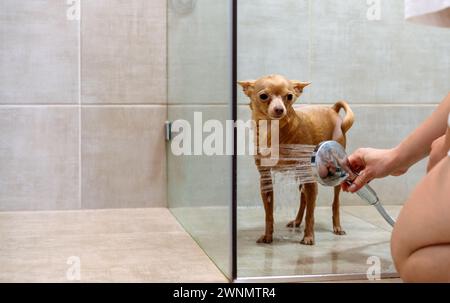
point(372, 163)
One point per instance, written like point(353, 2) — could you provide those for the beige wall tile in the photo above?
point(124, 51)
point(385, 61)
point(273, 38)
point(123, 157)
point(38, 53)
point(199, 65)
point(38, 158)
point(346, 56)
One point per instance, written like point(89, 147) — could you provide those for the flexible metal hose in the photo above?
point(383, 213)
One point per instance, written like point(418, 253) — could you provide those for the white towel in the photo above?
point(431, 12)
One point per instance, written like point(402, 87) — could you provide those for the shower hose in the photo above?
point(369, 195)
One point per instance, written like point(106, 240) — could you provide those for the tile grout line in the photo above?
point(76, 105)
point(310, 50)
point(137, 105)
point(79, 111)
point(166, 101)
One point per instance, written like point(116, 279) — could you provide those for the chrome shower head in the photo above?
point(330, 167)
point(329, 164)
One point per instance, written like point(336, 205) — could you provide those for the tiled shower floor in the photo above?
point(367, 235)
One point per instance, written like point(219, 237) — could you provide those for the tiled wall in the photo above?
point(392, 72)
point(82, 105)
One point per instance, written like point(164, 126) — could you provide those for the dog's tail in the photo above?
point(349, 116)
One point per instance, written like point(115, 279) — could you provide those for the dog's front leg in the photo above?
point(311, 190)
point(266, 188)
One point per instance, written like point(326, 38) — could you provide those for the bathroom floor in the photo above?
point(367, 237)
point(128, 245)
point(148, 245)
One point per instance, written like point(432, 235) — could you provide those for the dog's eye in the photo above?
point(264, 97)
point(290, 97)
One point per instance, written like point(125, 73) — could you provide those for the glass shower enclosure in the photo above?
point(392, 73)
point(200, 90)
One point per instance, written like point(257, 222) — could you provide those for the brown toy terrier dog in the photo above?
point(272, 98)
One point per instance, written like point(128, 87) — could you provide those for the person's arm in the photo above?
point(378, 163)
point(418, 145)
point(439, 149)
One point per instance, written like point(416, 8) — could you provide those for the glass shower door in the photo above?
point(199, 96)
point(391, 72)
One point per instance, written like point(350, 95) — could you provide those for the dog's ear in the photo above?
point(299, 86)
point(247, 86)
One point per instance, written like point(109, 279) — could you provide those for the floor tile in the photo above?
point(331, 254)
point(137, 245)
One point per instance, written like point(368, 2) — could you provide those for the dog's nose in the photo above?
point(279, 110)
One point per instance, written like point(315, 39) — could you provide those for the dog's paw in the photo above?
point(337, 230)
point(265, 239)
point(293, 224)
point(307, 241)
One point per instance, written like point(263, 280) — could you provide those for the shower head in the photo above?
point(330, 167)
point(329, 164)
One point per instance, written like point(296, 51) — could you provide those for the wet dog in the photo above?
point(272, 98)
